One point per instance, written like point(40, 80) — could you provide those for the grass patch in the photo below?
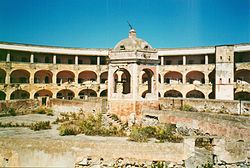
point(8, 111)
point(43, 110)
point(40, 125)
point(187, 107)
point(166, 132)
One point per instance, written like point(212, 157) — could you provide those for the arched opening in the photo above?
point(211, 95)
point(85, 76)
point(43, 93)
point(159, 94)
point(2, 76)
point(242, 76)
point(122, 81)
point(43, 76)
point(65, 94)
point(159, 78)
point(172, 93)
point(195, 77)
point(104, 77)
point(19, 76)
point(2, 95)
point(242, 96)
point(147, 78)
point(87, 92)
point(104, 93)
point(211, 77)
point(195, 94)
point(173, 77)
point(19, 94)
point(65, 76)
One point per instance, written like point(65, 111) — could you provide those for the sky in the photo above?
point(103, 23)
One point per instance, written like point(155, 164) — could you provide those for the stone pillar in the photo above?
point(54, 78)
point(7, 96)
point(184, 78)
point(32, 58)
point(206, 78)
point(7, 78)
point(98, 76)
point(184, 59)
point(31, 78)
point(206, 59)
point(98, 60)
point(162, 60)
point(76, 60)
point(54, 59)
point(8, 57)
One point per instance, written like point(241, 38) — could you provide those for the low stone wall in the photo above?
point(65, 152)
point(208, 105)
point(90, 105)
point(226, 125)
point(20, 105)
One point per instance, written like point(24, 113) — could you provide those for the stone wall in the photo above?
point(19, 105)
point(225, 125)
point(207, 105)
point(90, 105)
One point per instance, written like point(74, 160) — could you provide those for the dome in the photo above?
point(132, 43)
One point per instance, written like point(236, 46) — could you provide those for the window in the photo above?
point(220, 57)
point(122, 47)
point(229, 80)
point(180, 62)
point(58, 60)
point(146, 47)
point(70, 61)
point(190, 61)
point(168, 62)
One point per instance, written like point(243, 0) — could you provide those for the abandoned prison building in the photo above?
point(133, 75)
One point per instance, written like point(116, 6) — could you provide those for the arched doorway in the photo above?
point(43, 93)
point(65, 77)
point(2, 76)
point(195, 94)
point(172, 93)
point(122, 81)
point(147, 78)
point(87, 92)
point(65, 94)
point(173, 77)
point(242, 96)
point(19, 94)
point(104, 77)
point(104, 93)
point(19, 76)
point(242, 76)
point(43, 76)
point(195, 77)
point(85, 76)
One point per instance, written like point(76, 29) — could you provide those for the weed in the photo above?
point(40, 125)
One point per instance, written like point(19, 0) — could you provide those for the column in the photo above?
point(206, 59)
point(206, 78)
point(32, 58)
point(54, 59)
point(7, 78)
point(98, 60)
point(8, 57)
point(54, 78)
point(76, 60)
point(162, 60)
point(184, 78)
point(184, 59)
point(31, 81)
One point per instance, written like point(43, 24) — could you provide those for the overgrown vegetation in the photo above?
point(187, 107)
point(204, 143)
point(89, 124)
point(8, 111)
point(43, 110)
point(166, 132)
point(40, 125)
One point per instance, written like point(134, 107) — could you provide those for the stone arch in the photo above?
point(85, 76)
point(43, 93)
point(195, 94)
point(242, 76)
point(2, 95)
point(159, 78)
point(19, 94)
point(211, 77)
point(173, 77)
point(2, 76)
point(195, 77)
point(122, 81)
point(104, 93)
point(242, 96)
point(65, 76)
point(65, 94)
point(147, 78)
point(87, 92)
point(172, 93)
point(19, 76)
point(211, 95)
point(43, 76)
point(104, 77)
